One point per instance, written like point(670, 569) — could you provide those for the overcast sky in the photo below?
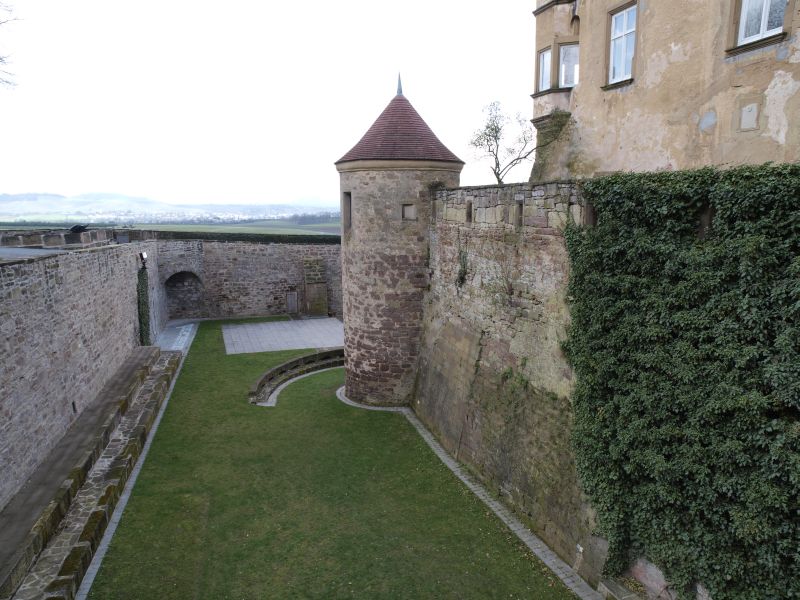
point(239, 100)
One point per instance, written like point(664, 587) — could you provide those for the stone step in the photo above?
point(34, 515)
point(62, 564)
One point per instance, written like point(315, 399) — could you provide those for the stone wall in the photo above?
point(385, 264)
point(66, 324)
point(493, 383)
point(248, 279)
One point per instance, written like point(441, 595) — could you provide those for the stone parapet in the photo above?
point(67, 322)
point(492, 380)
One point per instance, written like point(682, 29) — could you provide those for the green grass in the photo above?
point(311, 499)
point(267, 226)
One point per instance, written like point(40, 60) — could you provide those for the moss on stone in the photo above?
point(76, 562)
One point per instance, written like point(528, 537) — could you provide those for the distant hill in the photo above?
point(109, 207)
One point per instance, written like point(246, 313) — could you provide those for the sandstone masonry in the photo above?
point(385, 264)
point(245, 279)
point(66, 324)
point(492, 380)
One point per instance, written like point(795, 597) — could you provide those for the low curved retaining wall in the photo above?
point(261, 390)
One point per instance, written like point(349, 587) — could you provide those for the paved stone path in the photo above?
point(283, 335)
point(177, 335)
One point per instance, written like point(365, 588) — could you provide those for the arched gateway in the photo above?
point(185, 296)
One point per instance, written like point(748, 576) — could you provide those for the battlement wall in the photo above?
point(493, 382)
point(67, 322)
point(249, 279)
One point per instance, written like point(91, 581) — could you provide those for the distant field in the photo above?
point(266, 226)
point(280, 227)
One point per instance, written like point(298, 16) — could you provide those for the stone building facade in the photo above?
point(637, 86)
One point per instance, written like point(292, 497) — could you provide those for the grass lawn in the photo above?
point(310, 499)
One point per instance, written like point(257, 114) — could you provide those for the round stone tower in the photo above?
point(387, 180)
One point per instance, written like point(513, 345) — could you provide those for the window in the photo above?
point(409, 212)
point(623, 44)
point(346, 201)
point(568, 66)
point(760, 19)
point(545, 59)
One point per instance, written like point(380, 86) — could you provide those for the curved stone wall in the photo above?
point(385, 274)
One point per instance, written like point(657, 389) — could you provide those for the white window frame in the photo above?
point(622, 36)
point(763, 32)
point(561, 72)
point(545, 84)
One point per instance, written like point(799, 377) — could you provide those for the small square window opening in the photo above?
point(409, 212)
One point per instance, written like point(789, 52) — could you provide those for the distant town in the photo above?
point(33, 208)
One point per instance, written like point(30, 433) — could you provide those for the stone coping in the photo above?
point(61, 566)
point(33, 516)
point(271, 379)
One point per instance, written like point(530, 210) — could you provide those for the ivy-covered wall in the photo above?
point(685, 341)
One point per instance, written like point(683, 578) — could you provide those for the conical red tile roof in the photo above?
point(399, 133)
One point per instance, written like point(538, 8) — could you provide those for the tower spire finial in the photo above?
point(399, 86)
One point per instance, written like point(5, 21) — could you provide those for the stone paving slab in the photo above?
point(176, 336)
point(283, 335)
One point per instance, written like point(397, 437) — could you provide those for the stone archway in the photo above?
point(185, 296)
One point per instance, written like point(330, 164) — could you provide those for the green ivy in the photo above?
point(143, 305)
point(686, 350)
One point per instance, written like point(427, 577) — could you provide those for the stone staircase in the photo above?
point(51, 528)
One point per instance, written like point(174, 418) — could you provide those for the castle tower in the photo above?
point(386, 181)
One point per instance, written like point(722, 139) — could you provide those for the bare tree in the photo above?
point(505, 155)
point(5, 74)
